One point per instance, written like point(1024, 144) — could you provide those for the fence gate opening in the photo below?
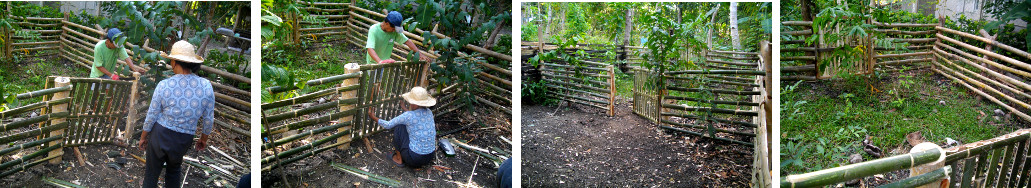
point(646, 94)
point(96, 108)
point(381, 88)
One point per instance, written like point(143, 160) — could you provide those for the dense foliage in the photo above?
point(467, 23)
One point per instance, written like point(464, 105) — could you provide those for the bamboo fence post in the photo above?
point(612, 91)
point(929, 167)
point(941, 22)
point(351, 68)
point(871, 62)
point(7, 35)
point(350, 19)
point(424, 80)
point(661, 88)
point(62, 39)
point(134, 91)
point(58, 82)
point(296, 32)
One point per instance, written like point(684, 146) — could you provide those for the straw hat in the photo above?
point(184, 52)
point(419, 96)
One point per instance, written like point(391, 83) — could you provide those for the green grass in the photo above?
point(30, 74)
point(822, 123)
point(314, 62)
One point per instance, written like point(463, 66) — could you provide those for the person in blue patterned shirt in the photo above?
point(415, 132)
point(178, 104)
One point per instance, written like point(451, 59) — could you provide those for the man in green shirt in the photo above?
point(106, 55)
point(382, 36)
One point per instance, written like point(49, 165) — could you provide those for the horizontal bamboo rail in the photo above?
point(849, 172)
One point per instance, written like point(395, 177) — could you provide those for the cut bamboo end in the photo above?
point(59, 82)
point(351, 68)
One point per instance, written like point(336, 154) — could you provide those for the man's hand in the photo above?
point(423, 57)
point(114, 76)
point(202, 143)
point(385, 61)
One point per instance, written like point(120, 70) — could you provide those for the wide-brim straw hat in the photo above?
point(419, 96)
point(183, 51)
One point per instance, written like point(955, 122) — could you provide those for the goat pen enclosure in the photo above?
point(330, 113)
point(990, 71)
point(96, 113)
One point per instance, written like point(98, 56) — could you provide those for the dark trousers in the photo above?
point(410, 158)
point(165, 151)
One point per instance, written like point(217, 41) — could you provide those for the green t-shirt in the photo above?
point(382, 42)
point(106, 57)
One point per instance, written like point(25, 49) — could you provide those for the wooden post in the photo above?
point(7, 35)
point(612, 90)
point(58, 82)
point(132, 107)
point(424, 80)
point(296, 32)
point(350, 21)
point(351, 68)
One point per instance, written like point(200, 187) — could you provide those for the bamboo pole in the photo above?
point(130, 121)
point(7, 35)
point(62, 108)
point(996, 75)
point(352, 68)
point(984, 86)
point(989, 97)
point(612, 91)
point(1012, 61)
point(1017, 51)
point(923, 179)
point(858, 170)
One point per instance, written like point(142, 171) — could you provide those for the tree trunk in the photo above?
point(712, 25)
point(734, 35)
point(492, 39)
point(628, 27)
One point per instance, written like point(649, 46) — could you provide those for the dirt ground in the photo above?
point(96, 173)
point(457, 170)
point(579, 146)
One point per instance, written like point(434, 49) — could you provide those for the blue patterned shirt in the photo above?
point(422, 131)
point(179, 102)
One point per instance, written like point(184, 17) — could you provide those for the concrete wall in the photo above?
point(971, 9)
point(91, 7)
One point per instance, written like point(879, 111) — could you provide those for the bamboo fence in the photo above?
point(995, 77)
point(295, 134)
point(726, 90)
point(95, 110)
point(94, 115)
point(283, 123)
point(492, 85)
point(762, 166)
point(40, 136)
point(888, 46)
point(996, 162)
point(36, 37)
point(585, 82)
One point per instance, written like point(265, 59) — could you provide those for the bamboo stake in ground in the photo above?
point(132, 107)
point(612, 90)
point(351, 68)
point(929, 167)
point(59, 82)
